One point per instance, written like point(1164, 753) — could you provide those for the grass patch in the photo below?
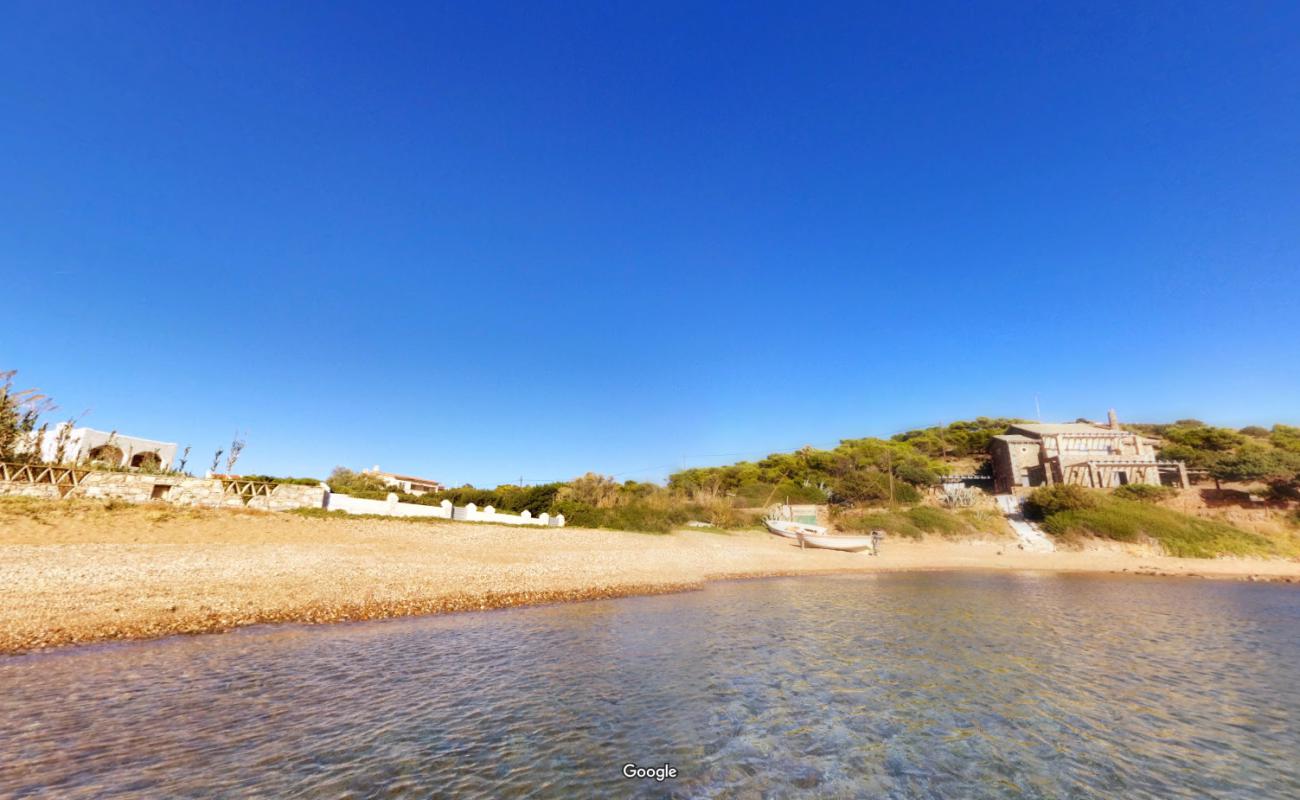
point(1144, 492)
point(1179, 534)
point(656, 514)
point(916, 522)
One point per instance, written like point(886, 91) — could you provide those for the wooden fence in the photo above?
point(65, 478)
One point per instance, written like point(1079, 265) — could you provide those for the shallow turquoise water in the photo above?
point(921, 685)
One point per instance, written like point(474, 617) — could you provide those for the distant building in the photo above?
point(1082, 453)
point(87, 446)
point(405, 483)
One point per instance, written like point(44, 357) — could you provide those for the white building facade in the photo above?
point(87, 445)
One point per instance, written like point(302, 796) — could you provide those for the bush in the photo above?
point(655, 511)
point(895, 523)
point(642, 517)
point(1178, 534)
point(344, 481)
point(761, 495)
point(873, 487)
point(916, 522)
point(1048, 500)
point(1144, 493)
point(290, 481)
point(935, 520)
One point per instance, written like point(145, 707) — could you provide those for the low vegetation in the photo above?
point(1072, 512)
point(1252, 454)
point(595, 501)
point(867, 471)
point(1144, 493)
point(289, 481)
point(870, 482)
point(914, 523)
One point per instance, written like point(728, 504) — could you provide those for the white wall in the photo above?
point(470, 513)
point(80, 441)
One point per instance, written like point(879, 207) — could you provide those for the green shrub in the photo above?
point(1048, 500)
point(1144, 492)
point(642, 517)
point(895, 523)
point(1179, 534)
point(290, 481)
point(356, 484)
point(936, 520)
point(761, 495)
point(914, 523)
point(871, 487)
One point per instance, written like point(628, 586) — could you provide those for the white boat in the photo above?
point(791, 529)
point(849, 544)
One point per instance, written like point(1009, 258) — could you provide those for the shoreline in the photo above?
point(81, 576)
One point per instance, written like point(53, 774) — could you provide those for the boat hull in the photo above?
point(847, 544)
point(791, 530)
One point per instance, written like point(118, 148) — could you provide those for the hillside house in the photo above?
point(1082, 453)
point(408, 484)
point(87, 446)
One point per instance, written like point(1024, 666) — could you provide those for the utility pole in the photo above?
point(889, 455)
point(1038, 412)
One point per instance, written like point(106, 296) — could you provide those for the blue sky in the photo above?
point(480, 241)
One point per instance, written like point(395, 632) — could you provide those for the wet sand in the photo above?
point(87, 574)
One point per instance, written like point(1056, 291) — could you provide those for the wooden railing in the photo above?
point(246, 490)
point(66, 478)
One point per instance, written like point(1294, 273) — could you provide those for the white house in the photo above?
point(406, 483)
point(86, 445)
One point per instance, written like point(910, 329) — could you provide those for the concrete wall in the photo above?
point(389, 507)
point(470, 513)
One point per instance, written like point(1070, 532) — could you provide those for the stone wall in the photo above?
point(42, 490)
point(134, 487)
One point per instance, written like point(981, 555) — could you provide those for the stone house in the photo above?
point(1082, 453)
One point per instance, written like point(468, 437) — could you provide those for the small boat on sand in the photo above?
point(791, 529)
point(849, 544)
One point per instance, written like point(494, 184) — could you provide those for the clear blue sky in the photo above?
point(479, 241)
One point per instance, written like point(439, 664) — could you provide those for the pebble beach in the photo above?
point(80, 573)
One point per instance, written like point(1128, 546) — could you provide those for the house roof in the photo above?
point(412, 479)
point(1053, 428)
point(1016, 438)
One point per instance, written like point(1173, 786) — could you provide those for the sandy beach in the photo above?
point(80, 574)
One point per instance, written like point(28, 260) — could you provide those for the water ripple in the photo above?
point(895, 686)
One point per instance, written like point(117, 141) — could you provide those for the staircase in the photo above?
point(1031, 538)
